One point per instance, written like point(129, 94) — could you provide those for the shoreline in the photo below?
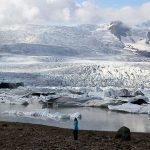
point(23, 136)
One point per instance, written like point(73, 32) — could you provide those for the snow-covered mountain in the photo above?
point(112, 54)
point(112, 39)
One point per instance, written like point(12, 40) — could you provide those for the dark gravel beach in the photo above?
point(18, 136)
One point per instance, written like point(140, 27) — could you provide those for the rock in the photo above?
point(43, 94)
point(25, 103)
point(76, 92)
point(36, 94)
point(123, 133)
point(138, 93)
point(20, 84)
point(47, 94)
point(119, 29)
point(4, 125)
point(4, 85)
point(124, 93)
point(139, 100)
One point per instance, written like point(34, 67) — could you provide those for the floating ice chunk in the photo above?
point(110, 93)
point(94, 103)
point(102, 103)
point(145, 109)
point(114, 93)
point(128, 107)
point(75, 115)
point(63, 116)
point(146, 92)
point(132, 108)
point(36, 114)
point(43, 114)
point(13, 99)
point(95, 95)
point(20, 113)
point(11, 112)
point(134, 99)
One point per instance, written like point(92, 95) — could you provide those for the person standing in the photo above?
point(75, 131)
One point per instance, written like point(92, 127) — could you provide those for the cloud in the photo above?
point(17, 11)
point(67, 12)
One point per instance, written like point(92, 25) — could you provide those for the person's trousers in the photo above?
point(75, 134)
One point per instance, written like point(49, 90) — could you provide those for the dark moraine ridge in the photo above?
point(17, 136)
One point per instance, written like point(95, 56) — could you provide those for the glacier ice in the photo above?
point(43, 114)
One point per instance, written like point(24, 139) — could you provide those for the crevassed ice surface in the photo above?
point(80, 56)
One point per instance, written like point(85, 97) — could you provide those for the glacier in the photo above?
point(85, 65)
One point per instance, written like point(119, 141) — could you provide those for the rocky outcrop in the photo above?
point(5, 85)
point(123, 133)
point(119, 29)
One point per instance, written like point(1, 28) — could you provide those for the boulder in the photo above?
point(123, 133)
point(25, 103)
point(36, 94)
point(5, 85)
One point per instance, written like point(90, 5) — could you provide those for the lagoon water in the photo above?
point(92, 118)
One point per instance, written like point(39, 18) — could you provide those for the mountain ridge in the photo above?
point(114, 38)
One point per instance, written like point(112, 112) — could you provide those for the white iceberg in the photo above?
point(134, 99)
point(128, 107)
point(115, 93)
point(75, 115)
point(131, 108)
point(43, 114)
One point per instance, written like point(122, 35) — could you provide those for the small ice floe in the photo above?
point(43, 114)
point(128, 107)
point(137, 104)
point(102, 102)
point(75, 115)
point(95, 103)
point(13, 99)
point(131, 108)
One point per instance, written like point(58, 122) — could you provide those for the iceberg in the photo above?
point(131, 108)
point(43, 114)
point(128, 107)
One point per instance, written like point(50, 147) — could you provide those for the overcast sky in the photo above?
point(73, 11)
